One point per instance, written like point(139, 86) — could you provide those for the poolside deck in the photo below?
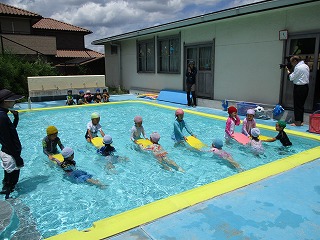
point(284, 206)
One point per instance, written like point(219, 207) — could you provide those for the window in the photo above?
point(169, 54)
point(145, 54)
point(114, 49)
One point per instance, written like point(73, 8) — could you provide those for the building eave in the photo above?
point(210, 17)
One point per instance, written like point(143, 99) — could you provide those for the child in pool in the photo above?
point(217, 145)
point(88, 97)
point(160, 154)
point(50, 142)
point(137, 129)
point(97, 96)
point(255, 143)
point(282, 136)
point(232, 121)
point(69, 167)
point(248, 123)
point(178, 126)
point(93, 127)
point(108, 151)
point(70, 100)
point(80, 98)
point(105, 95)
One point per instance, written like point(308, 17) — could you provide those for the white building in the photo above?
point(237, 52)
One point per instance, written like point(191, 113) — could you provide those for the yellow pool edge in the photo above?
point(138, 216)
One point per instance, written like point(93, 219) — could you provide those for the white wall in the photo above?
point(132, 79)
point(247, 54)
point(112, 66)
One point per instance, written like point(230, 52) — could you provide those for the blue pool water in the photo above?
point(57, 205)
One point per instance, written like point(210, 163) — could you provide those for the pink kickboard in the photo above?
point(241, 138)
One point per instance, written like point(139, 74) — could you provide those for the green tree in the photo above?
point(15, 70)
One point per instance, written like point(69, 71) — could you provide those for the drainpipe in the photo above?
point(120, 65)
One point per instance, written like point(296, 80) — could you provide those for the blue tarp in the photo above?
point(174, 96)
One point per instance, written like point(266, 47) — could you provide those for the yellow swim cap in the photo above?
point(51, 130)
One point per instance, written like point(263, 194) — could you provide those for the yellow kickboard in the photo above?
point(261, 137)
point(58, 157)
point(97, 142)
point(144, 142)
point(195, 142)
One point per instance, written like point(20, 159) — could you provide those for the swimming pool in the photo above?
point(58, 205)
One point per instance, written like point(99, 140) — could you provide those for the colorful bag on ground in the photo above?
point(278, 109)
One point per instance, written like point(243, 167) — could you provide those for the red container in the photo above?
point(314, 122)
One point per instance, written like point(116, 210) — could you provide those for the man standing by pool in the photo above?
point(300, 79)
point(9, 139)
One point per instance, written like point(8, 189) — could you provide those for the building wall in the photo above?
point(15, 25)
point(29, 44)
point(65, 40)
point(132, 79)
point(247, 54)
point(112, 66)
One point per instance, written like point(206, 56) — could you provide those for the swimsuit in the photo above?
point(178, 126)
point(93, 129)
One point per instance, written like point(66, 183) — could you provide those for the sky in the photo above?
point(109, 18)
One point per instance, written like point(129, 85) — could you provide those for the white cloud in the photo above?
point(108, 18)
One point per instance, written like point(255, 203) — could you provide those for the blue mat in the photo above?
point(174, 96)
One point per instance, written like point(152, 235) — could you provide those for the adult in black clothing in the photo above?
point(9, 139)
point(191, 83)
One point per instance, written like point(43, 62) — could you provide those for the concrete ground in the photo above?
point(286, 206)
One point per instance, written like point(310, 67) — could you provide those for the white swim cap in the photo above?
point(255, 132)
point(107, 139)
point(67, 152)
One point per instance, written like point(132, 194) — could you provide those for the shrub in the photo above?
point(15, 70)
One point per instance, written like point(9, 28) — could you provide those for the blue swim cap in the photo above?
point(217, 143)
point(98, 90)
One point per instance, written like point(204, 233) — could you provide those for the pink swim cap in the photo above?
point(155, 137)
point(137, 119)
point(179, 111)
point(251, 111)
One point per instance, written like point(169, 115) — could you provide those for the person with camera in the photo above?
point(300, 78)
